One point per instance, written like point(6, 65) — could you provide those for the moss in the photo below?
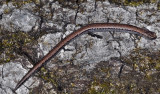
point(12, 42)
point(158, 5)
point(132, 2)
point(143, 62)
point(71, 3)
point(49, 77)
point(143, 59)
point(6, 11)
point(19, 3)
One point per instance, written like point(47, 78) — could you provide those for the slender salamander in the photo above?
point(96, 27)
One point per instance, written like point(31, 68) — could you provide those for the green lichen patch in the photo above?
point(144, 60)
point(11, 43)
point(49, 77)
point(143, 76)
point(132, 2)
point(20, 3)
point(158, 5)
point(71, 3)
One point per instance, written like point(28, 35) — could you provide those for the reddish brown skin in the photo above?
point(140, 31)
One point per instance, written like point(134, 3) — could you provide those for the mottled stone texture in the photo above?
point(118, 63)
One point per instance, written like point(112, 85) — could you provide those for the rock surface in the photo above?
point(117, 63)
